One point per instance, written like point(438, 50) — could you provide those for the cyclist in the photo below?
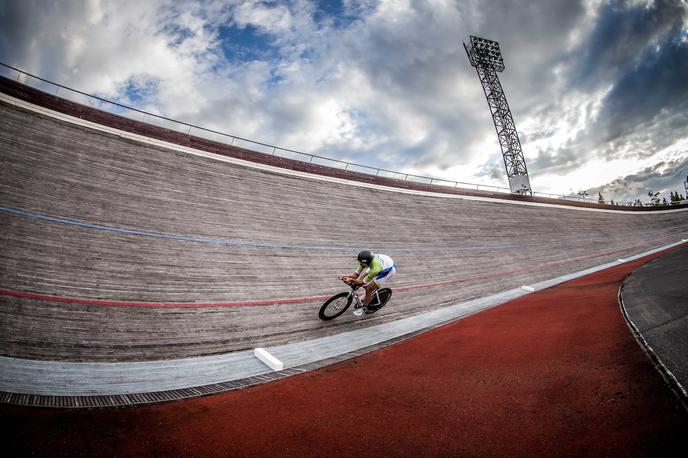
point(373, 271)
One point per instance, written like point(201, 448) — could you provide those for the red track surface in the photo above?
point(553, 373)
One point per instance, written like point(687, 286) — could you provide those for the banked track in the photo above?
point(116, 249)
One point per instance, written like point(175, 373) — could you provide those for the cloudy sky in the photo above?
point(598, 89)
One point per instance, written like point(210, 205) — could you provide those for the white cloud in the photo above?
point(275, 19)
point(391, 86)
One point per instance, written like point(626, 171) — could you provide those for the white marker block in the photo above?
point(621, 260)
point(684, 240)
point(530, 289)
point(269, 360)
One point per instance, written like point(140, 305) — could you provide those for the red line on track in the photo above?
point(513, 271)
point(71, 300)
point(109, 303)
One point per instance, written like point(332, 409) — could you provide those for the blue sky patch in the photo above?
point(244, 44)
point(140, 89)
point(334, 13)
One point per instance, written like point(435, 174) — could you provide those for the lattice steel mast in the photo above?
point(486, 57)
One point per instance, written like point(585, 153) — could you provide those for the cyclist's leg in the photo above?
point(377, 284)
point(370, 289)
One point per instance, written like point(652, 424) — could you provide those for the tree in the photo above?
point(664, 201)
point(654, 198)
point(600, 198)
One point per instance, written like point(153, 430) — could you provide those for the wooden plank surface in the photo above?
point(71, 172)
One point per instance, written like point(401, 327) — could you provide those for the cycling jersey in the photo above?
point(382, 266)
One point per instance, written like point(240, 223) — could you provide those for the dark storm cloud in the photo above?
point(617, 50)
point(622, 34)
point(559, 162)
point(417, 60)
point(16, 28)
point(640, 52)
point(423, 61)
point(532, 37)
point(658, 83)
point(646, 109)
point(22, 37)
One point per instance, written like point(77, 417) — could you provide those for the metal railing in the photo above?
point(116, 108)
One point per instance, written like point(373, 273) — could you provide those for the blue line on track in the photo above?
point(246, 244)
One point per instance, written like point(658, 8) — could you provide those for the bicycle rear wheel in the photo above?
point(335, 306)
point(384, 294)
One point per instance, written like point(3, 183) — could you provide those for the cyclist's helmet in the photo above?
point(366, 257)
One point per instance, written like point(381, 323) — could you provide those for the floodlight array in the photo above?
point(484, 53)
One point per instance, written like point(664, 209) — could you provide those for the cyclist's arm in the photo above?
point(357, 273)
point(358, 280)
point(364, 277)
point(357, 276)
point(361, 274)
point(375, 269)
point(353, 276)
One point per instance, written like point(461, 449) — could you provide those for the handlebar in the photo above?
point(353, 286)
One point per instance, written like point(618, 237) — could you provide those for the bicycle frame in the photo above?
point(357, 298)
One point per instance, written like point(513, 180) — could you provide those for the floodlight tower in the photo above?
point(486, 57)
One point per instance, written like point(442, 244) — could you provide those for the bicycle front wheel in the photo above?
point(335, 306)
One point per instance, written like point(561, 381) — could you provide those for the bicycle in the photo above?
point(337, 304)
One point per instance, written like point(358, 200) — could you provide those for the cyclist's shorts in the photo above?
point(384, 276)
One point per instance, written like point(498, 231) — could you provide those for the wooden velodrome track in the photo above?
point(117, 250)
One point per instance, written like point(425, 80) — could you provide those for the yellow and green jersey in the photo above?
point(381, 266)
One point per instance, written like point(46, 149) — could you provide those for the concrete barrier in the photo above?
point(269, 360)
